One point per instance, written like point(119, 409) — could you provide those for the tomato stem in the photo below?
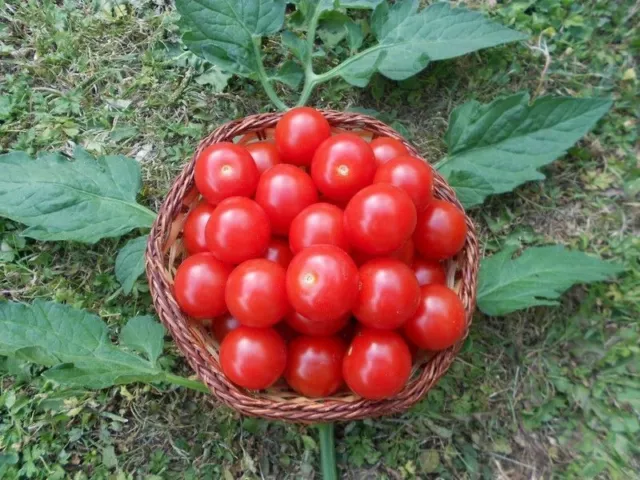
point(196, 385)
point(327, 452)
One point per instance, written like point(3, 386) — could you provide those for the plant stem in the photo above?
point(309, 76)
point(264, 79)
point(196, 385)
point(327, 452)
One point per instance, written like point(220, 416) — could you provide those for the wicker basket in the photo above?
point(164, 252)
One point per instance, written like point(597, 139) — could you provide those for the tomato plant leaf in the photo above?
point(145, 335)
point(130, 262)
point(83, 200)
point(290, 73)
point(296, 45)
point(470, 188)
point(537, 277)
point(506, 141)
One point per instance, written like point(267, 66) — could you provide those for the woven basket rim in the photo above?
point(200, 350)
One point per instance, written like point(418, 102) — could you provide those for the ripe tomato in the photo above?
point(278, 251)
point(193, 231)
point(377, 364)
point(225, 170)
point(439, 321)
point(221, 326)
point(322, 282)
point(256, 293)
point(314, 365)
point(253, 358)
point(441, 231)
point(379, 219)
point(405, 254)
point(411, 175)
point(265, 155)
point(238, 230)
point(199, 286)
point(283, 192)
point(319, 328)
point(429, 271)
point(342, 166)
point(320, 223)
point(389, 294)
point(386, 149)
point(299, 133)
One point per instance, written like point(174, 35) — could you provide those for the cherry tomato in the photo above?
point(253, 358)
point(320, 223)
point(322, 282)
point(314, 365)
point(222, 325)
point(278, 251)
point(256, 293)
point(389, 294)
point(225, 170)
point(387, 148)
point(429, 271)
point(199, 286)
point(299, 133)
point(441, 231)
point(265, 155)
point(238, 230)
point(410, 174)
point(439, 321)
point(377, 364)
point(342, 166)
point(283, 192)
point(193, 235)
point(319, 328)
point(405, 254)
point(379, 219)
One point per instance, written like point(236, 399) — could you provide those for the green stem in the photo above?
point(185, 382)
point(264, 78)
point(327, 452)
point(309, 76)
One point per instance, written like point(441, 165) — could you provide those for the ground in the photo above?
point(547, 392)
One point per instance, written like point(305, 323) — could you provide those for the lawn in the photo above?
point(545, 392)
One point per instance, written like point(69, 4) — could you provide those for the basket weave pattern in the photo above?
point(164, 253)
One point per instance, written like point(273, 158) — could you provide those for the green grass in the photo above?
point(549, 392)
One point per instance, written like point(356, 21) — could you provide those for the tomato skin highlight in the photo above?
point(411, 175)
point(322, 282)
point(386, 149)
point(283, 192)
point(253, 358)
point(299, 133)
point(377, 364)
point(428, 271)
point(314, 365)
point(199, 286)
point(440, 320)
point(264, 154)
point(316, 328)
point(193, 236)
point(225, 170)
point(318, 224)
point(238, 230)
point(222, 325)
point(278, 251)
point(441, 231)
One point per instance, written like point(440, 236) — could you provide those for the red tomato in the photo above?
point(299, 133)
point(439, 321)
point(314, 365)
point(225, 170)
point(199, 286)
point(256, 293)
point(265, 155)
point(377, 364)
point(441, 231)
point(342, 166)
point(238, 230)
point(319, 328)
point(253, 358)
point(221, 326)
point(429, 271)
point(387, 148)
point(283, 192)
point(410, 174)
point(389, 294)
point(379, 219)
point(193, 231)
point(405, 254)
point(322, 282)
point(278, 251)
point(320, 223)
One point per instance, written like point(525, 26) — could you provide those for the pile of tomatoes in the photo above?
point(316, 256)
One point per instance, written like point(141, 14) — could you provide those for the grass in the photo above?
point(548, 392)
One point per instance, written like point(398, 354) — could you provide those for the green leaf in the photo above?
point(355, 35)
point(222, 31)
point(296, 45)
point(537, 277)
point(507, 140)
point(145, 335)
point(357, 71)
point(52, 334)
point(82, 200)
point(333, 28)
point(362, 4)
point(214, 77)
point(290, 73)
point(470, 188)
point(130, 262)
